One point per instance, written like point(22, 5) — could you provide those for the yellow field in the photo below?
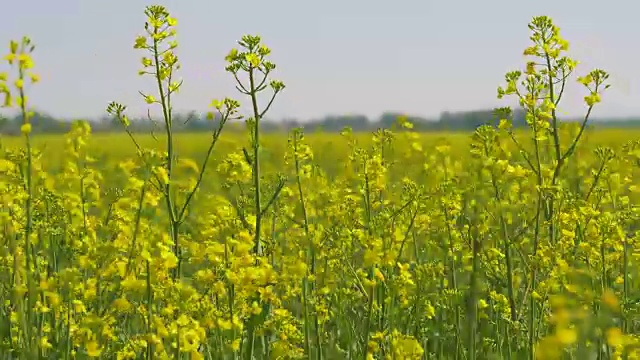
point(500, 244)
point(329, 147)
point(410, 247)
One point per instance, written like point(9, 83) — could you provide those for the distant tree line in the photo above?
point(193, 122)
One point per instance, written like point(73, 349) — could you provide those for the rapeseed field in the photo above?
point(501, 244)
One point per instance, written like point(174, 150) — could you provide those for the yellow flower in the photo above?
point(140, 43)
point(232, 55)
point(585, 80)
point(93, 349)
point(615, 337)
point(255, 308)
point(430, 311)
point(10, 58)
point(504, 124)
point(25, 129)
point(235, 345)
point(482, 304)
point(378, 274)
point(253, 59)
point(44, 343)
point(162, 174)
point(122, 304)
point(146, 62)
point(592, 99)
point(566, 336)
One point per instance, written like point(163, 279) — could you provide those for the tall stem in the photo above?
point(174, 225)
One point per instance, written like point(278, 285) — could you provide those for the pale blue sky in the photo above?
point(337, 57)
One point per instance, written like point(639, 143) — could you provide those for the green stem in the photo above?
point(168, 188)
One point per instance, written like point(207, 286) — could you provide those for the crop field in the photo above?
point(501, 243)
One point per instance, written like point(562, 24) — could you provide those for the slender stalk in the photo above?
point(473, 298)
point(257, 197)
point(28, 229)
point(256, 161)
point(149, 300)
